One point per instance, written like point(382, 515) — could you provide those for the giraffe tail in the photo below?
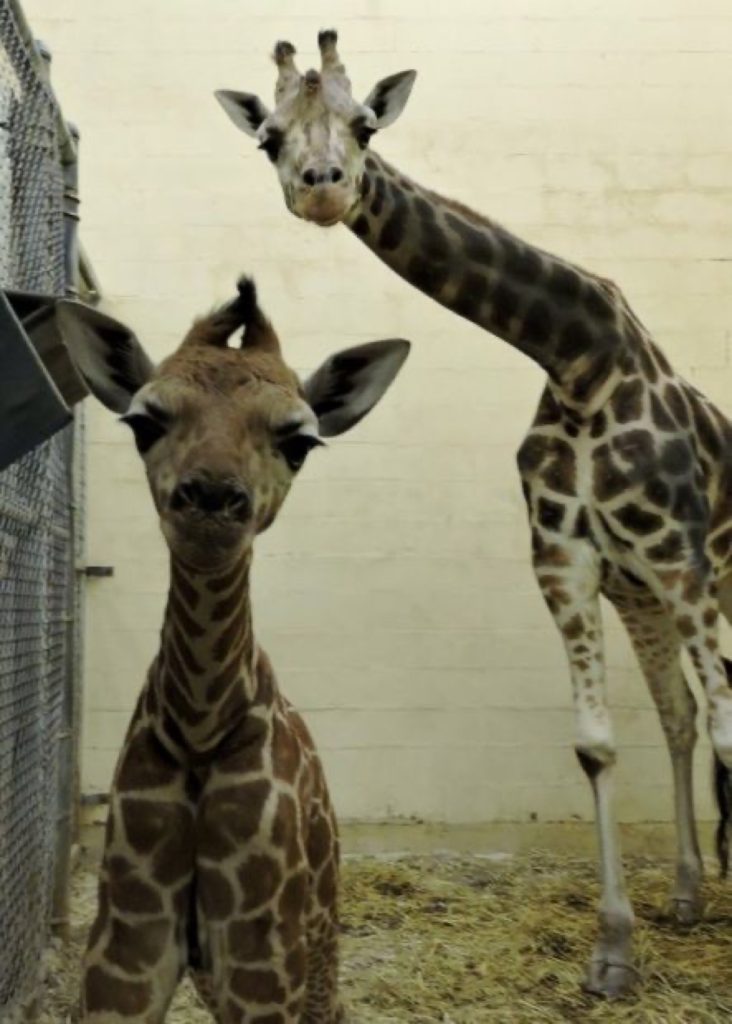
point(723, 794)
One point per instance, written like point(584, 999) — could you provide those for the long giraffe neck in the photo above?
point(206, 670)
point(573, 324)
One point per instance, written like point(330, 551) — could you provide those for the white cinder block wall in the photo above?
point(394, 594)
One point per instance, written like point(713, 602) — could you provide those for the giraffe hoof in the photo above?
point(610, 980)
point(687, 912)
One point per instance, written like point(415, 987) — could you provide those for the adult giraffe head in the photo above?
point(317, 135)
point(223, 430)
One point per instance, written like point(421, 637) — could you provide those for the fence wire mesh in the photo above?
point(36, 543)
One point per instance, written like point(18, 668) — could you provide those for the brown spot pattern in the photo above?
point(257, 986)
point(229, 817)
point(216, 893)
point(250, 939)
point(259, 877)
point(135, 948)
point(106, 993)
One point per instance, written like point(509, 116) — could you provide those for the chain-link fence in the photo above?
point(37, 524)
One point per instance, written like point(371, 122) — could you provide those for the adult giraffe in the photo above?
point(627, 469)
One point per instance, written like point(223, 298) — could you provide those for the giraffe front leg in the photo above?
point(258, 967)
point(137, 946)
point(136, 950)
point(611, 972)
point(253, 886)
point(322, 1002)
point(572, 596)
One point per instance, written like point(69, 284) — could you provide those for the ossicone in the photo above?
point(241, 311)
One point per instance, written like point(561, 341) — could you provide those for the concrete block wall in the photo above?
point(394, 594)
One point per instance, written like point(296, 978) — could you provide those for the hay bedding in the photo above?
point(463, 940)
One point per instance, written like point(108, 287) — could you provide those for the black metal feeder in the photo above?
point(38, 382)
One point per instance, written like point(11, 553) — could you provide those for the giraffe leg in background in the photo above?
point(573, 600)
point(722, 775)
point(695, 607)
point(658, 648)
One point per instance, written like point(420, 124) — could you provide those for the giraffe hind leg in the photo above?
point(657, 647)
point(695, 600)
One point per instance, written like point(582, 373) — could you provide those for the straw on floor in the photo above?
point(466, 940)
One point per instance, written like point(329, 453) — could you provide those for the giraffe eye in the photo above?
point(148, 430)
point(294, 449)
point(362, 133)
point(272, 143)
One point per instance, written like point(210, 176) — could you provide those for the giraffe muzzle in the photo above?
point(202, 497)
point(325, 202)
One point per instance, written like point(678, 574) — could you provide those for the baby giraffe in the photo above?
point(221, 852)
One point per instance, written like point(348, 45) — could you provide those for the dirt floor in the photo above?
point(466, 939)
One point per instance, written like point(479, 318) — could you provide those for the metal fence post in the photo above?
point(41, 533)
point(68, 740)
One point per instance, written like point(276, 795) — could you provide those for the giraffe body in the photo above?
point(224, 864)
point(627, 469)
point(221, 852)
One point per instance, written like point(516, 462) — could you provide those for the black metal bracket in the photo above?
point(97, 571)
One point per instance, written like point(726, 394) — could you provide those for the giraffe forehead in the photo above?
point(209, 369)
point(331, 104)
point(223, 388)
point(251, 404)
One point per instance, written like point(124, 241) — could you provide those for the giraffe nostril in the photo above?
point(336, 174)
point(188, 492)
point(310, 177)
point(239, 504)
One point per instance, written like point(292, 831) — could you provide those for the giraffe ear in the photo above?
point(388, 98)
point(350, 383)
point(105, 352)
point(244, 108)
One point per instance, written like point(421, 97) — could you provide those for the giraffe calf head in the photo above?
point(317, 135)
point(223, 430)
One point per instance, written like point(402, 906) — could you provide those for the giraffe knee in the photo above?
point(594, 743)
point(595, 751)
point(677, 711)
point(595, 760)
point(681, 740)
point(681, 734)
